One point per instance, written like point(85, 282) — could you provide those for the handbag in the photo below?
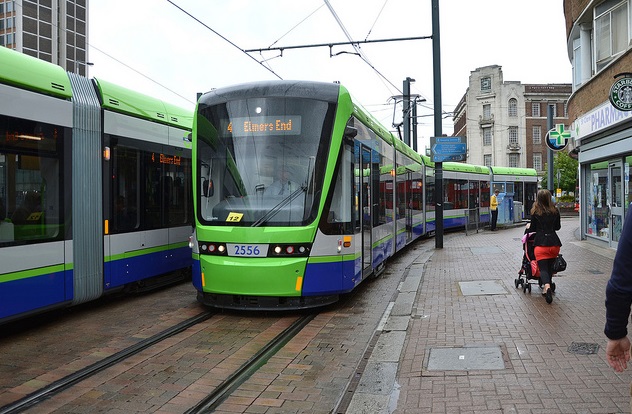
point(559, 265)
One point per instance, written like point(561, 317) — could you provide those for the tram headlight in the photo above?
point(217, 249)
point(290, 250)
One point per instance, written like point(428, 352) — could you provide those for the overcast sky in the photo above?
point(154, 47)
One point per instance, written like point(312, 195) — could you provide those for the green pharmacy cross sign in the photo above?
point(557, 138)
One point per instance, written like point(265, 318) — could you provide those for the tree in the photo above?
point(567, 168)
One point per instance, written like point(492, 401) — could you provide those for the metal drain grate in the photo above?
point(583, 348)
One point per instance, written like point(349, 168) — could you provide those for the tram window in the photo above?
point(30, 182)
point(417, 195)
point(385, 190)
point(455, 194)
point(498, 186)
point(126, 170)
point(430, 193)
point(338, 214)
point(156, 193)
point(180, 203)
point(485, 194)
point(473, 194)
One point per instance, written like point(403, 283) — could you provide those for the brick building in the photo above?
point(505, 122)
point(599, 44)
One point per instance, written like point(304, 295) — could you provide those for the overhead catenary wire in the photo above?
point(297, 25)
point(356, 47)
point(17, 4)
point(223, 38)
point(376, 19)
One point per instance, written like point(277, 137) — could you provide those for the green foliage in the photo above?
point(567, 168)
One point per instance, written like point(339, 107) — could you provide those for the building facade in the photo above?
point(52, 30)
point(505, 123)
point(599, 46)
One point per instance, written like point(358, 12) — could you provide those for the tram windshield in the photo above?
point(261, 161)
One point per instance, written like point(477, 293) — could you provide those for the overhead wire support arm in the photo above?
point(330, 45)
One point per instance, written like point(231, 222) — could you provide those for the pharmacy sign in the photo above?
point(621, 92)
point(557, 138)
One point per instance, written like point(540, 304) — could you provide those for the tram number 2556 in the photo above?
point(248, 250)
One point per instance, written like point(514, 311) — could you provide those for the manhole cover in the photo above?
point(583, 348)
point(484, 287)
point(485, 250)
point(464, 359)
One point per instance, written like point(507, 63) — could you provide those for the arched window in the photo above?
point(513, 107)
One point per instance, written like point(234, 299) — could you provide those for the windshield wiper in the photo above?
point(274, 210)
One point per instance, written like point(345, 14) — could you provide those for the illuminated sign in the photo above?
point(167, 159)
point(264, 126)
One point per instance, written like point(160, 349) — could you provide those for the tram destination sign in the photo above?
point(263, 125)
point(448, 149)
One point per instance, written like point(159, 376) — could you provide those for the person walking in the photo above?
point(493, 206)
point(545, 221)
point(618, 302)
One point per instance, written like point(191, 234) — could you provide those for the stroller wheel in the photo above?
point(529, 287)
point(517, 283)
point(525, 286)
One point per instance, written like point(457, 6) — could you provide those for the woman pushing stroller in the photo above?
point(545, 220)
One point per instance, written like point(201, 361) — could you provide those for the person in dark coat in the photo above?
point(545, 221)
point(618, 302)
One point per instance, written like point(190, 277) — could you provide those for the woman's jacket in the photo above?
point(544, 227)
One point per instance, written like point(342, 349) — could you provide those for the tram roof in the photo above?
point(30, 73)
point(463, 167)
point(119, 99)
point(529, 172)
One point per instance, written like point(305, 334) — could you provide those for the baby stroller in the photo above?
point(526, 274)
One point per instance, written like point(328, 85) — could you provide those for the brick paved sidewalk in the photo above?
point(545, 360)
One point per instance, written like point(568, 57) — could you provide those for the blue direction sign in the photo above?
point(448, 149)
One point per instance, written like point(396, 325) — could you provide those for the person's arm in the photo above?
point(619, 302)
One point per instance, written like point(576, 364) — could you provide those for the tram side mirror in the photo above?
point(208, 188)
point(188, 137)
point(350, 132)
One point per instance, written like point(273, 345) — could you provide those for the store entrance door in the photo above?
point(615, 177)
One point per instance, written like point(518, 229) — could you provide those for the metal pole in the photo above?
point(436, 69)
point(406, 109)
point(549, 125)
point(415, 125)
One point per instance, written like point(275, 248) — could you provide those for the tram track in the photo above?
point(237, 378)
point(68, 381)
point(219, 394)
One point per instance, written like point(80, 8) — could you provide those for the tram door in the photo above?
point(366, 216)
point(615, 177)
